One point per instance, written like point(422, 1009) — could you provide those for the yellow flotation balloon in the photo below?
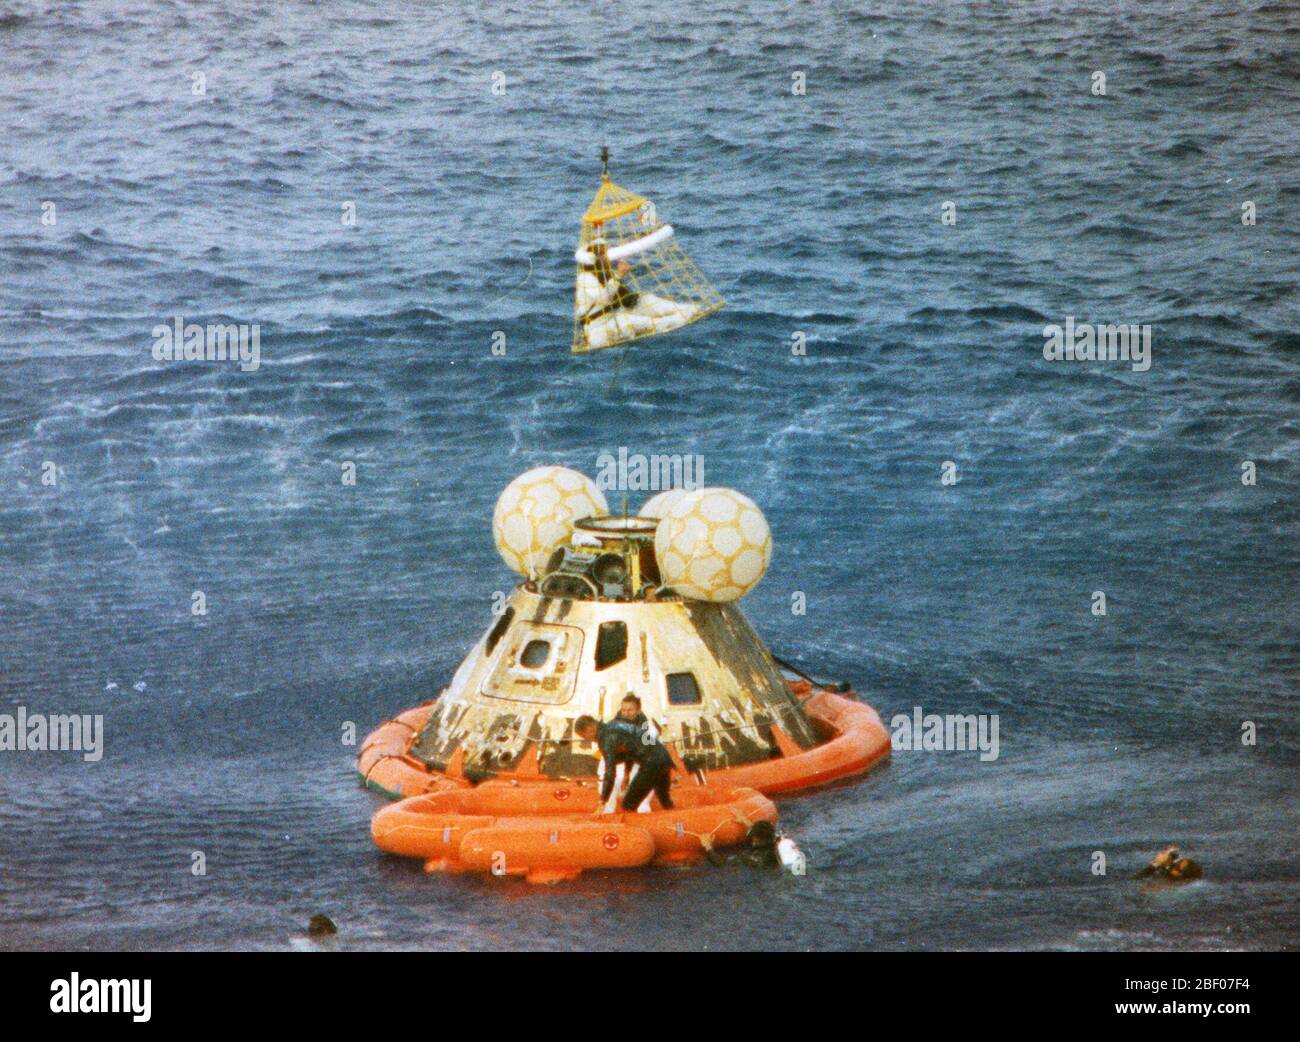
point(713, 544)
point(536, 512)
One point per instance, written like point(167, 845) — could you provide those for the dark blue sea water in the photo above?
point(820, 214)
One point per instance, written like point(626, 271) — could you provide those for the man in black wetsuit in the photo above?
point(629, 739)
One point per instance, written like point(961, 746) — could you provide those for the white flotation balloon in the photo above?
point(713, 544)
point(536, 512)
point(658, 506)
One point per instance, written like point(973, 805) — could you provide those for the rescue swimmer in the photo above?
point(1170, 865)
point(629, 739)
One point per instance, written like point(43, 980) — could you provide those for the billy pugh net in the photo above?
point(633, 279)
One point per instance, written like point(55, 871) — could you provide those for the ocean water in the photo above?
point(331, 604)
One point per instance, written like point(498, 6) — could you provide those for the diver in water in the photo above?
point(630, 739)
point(1170, 864)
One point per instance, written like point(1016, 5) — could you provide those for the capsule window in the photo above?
point(611, 644)
point(535, 654)
point(499, 630)
point(683, 690)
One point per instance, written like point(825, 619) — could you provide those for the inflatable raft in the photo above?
point(548, 831)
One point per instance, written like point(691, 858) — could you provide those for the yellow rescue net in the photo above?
point(633, 279)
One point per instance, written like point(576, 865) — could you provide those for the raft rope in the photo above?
point(614, 373)
point(706, 838)
point(521, 284)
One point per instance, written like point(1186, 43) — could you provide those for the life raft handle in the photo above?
point(840, 687)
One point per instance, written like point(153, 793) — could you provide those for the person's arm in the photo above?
point(604, 296)
point(608, 751)
point(593, 294)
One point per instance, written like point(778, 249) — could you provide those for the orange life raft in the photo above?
point(855, 741)
point(548, 831)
